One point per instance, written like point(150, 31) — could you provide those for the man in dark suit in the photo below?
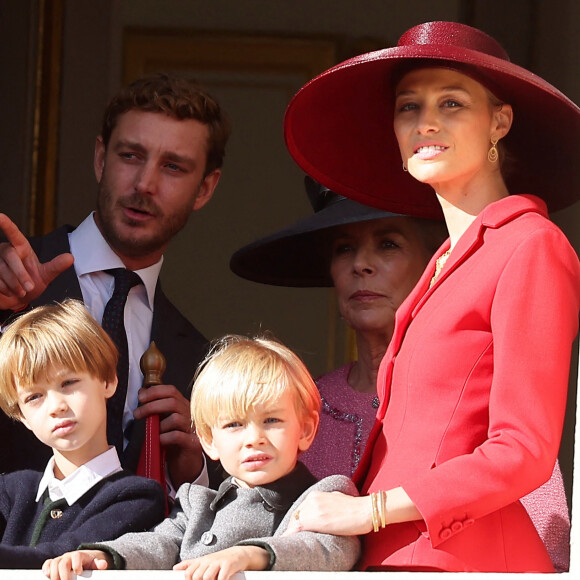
point(158, 159)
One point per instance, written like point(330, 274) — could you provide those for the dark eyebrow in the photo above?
point(168, 155)
point(129, 145)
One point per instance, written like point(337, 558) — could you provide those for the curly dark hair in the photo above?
point(180, 98)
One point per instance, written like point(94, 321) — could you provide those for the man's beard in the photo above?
point(135, 245)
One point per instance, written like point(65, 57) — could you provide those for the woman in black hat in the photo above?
point(473, 385)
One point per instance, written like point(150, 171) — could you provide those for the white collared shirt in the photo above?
point(92, 255)
point(73, 487)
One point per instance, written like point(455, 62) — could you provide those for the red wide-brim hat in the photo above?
point(339, 126)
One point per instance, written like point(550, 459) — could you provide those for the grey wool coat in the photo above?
point(205, 521)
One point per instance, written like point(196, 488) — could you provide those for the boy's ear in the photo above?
point(111, 387)
point(209, 447)
point(309, 429)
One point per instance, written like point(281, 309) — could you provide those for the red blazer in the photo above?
point(473, 392)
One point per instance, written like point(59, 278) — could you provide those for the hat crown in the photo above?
point(453, 34)
point(320, 197)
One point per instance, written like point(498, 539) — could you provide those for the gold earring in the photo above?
point(404, 168)
point(493, 154)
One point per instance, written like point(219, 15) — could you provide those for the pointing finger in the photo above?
point(16, 238)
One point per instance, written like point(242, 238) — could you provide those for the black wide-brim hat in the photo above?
point(339, 126)
point(297, 256)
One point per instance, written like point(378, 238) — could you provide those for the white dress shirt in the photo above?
point(92, 255)
point(74, 486)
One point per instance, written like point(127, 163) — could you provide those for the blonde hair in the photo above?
point(240, 373)
point(50, 338)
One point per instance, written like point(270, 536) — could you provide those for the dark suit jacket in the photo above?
point(182, 345)
point(118, 504)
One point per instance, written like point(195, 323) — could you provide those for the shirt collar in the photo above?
point(280, 494)
point(73, 487)
point(93, 254)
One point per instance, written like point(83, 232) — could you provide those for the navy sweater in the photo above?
point(33, 531)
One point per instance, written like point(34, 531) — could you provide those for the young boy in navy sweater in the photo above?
point(57, 371)
point(255, 408)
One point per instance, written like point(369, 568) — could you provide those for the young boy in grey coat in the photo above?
point(255, 408)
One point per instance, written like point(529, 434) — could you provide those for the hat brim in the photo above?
point(295, 256)
point(339, 129)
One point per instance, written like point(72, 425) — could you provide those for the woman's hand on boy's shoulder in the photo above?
point(332, 512)
point(62, 567)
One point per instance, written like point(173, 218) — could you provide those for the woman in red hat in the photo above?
point(473, 385)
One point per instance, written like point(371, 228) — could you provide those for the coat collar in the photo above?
point(278, 495)
point(493, 216)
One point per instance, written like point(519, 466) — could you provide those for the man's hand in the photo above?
point(22, 277)
point(183, 450)
point(225, 563)
point(61, 568)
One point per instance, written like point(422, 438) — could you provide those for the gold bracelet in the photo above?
point(379, 509)
point(383, 509)
point(375, 508)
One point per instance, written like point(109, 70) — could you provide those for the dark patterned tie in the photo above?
point(114, 324)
